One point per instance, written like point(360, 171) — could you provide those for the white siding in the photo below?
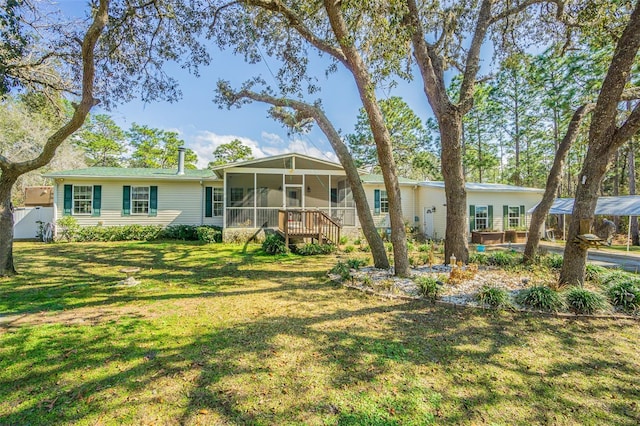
point(179, 203)
point(407, 194)
point(435, 197)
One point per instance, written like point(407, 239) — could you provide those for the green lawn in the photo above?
point(220, 334)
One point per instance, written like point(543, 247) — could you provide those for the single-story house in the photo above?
point(247, 196)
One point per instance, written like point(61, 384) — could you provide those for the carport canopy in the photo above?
point(624, 205)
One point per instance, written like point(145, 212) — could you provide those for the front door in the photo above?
point(428, 222)
point(294, 196)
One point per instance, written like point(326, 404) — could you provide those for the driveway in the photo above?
point(603, 257)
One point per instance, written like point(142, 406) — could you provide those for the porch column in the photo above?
point(224, 200)
point(255, 200)
point(284, 204)
point(330, 205)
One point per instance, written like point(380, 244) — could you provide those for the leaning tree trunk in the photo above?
point(456, 195)
point(6, 225)
point(605, 137)
point(354, 62)
point(304, 111)
point(11, 171)
point(633, 220)
point(553, 183)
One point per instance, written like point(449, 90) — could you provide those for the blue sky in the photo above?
point(203, 125)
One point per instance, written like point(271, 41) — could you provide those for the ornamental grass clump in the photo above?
point(504, 259)
point(553, 261)
point(595, 273)
point(540, 297)
point(342, 269)
point(356, 263)
point(625, 295)
point(583, 301)
point(429, 287)
point(493, 296)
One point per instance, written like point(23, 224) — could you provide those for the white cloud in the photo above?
point(205, 142)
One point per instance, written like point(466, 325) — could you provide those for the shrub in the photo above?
point(343, 240)
point(68, 227)
point(583, 301)
point(424, 247)
point(357, 242)
point(553, 261)
point(625, 295)
point(274, 244)
point(429, 287)
point(349, 249)
point(493, 296)
point(180, 232)
point(342, 269)
point(314, 249)
point(540, 297)
point(389, 247)
point(209, 234)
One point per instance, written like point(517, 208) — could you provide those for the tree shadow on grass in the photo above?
point(295, 349)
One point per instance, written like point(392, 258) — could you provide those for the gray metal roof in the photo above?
point(486, 187)
point(624, 205)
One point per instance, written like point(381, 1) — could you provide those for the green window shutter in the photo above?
point(376, 201)
point(68, 200)
point(97, 200)
point(505, 217)
point(208, 202)
point(126, 200)
point(472, 217)
point(490, 214)
point(522, 216)
point(153, 201)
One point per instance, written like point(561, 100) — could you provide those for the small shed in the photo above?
point(41, 196)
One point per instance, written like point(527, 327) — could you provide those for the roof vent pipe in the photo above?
point(181, 160)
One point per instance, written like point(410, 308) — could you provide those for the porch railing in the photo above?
point(248, 217)
point(314, 224)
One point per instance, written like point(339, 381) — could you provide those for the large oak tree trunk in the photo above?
point(456, 195)
point(381, 136)
point(6, 226)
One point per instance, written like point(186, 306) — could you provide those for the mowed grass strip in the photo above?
point(221, 334)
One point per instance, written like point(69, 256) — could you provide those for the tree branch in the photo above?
point(522, 6)
point(87, 102)
point(472, 65)
point(630, 127)
point(297, 23)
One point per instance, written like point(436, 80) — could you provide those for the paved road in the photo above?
point(610, 259)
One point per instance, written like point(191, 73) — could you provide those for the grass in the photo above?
point(221, 334)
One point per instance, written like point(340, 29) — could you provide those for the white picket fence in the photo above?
point(26, 221)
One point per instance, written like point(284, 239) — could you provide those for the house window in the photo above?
point(236, 196)
point(514, 217)
point(384, 202)
point(140, 200)
point(482, 217)
point(217, 200)
point(82, 199)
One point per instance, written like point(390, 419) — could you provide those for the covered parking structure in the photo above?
point(624, 205)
